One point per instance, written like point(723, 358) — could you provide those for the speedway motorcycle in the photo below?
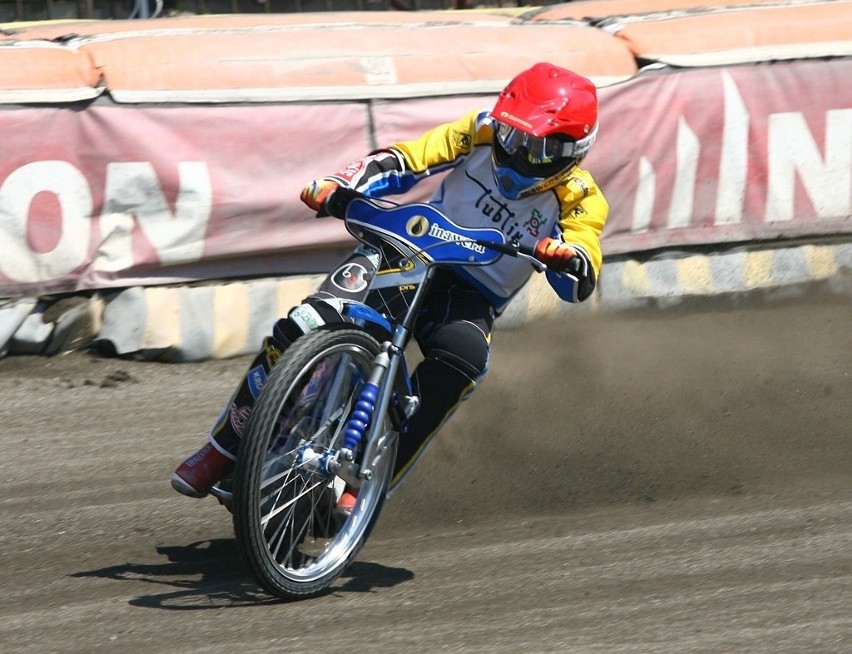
point(332, 410)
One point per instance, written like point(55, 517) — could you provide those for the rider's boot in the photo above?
point(197, 475)
point(441, 389)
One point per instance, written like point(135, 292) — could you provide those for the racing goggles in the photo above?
point(541, 149)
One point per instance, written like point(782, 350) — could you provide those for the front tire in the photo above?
point(288, 534)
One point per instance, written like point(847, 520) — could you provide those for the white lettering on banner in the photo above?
point(59, 178)
point(688, 152)
point(792, 149)
point(643, 206)
point(132, 194)
point(733, 167)
point(683, 189)
point(133, 191)
point(792, 154)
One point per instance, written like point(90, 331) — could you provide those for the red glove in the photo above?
point(317, 192)
point(559, 256)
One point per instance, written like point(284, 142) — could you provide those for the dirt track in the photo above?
point(679, 482)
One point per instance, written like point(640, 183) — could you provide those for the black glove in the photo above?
point(336, 203)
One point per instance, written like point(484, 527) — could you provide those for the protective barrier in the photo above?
point(144, 153)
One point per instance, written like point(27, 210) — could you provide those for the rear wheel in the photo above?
point(289, 535)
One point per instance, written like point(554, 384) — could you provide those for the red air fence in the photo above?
point(173, 150)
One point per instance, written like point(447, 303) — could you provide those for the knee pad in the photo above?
point(462, 345)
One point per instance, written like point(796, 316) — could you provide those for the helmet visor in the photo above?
point(539, 149)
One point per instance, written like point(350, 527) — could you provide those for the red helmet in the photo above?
point(546, 120)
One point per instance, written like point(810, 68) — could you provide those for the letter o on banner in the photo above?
point(20, 262)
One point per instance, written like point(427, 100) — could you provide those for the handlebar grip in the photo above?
point(338, 201)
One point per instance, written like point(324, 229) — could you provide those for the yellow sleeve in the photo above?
point(583, 215)
point(445, 143)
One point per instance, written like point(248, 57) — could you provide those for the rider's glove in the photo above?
point(317, 192)
point(558, 256)
point(336, 203)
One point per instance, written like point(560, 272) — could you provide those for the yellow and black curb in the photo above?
point(215, 321)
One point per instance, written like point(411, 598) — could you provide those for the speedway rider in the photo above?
point(516, 168)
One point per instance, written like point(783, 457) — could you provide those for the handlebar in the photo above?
point(339, 200)
point(515, 249)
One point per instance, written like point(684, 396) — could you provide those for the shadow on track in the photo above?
point(208, 575)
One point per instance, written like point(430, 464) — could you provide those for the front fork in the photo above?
point(369, 419)
point(370, 413)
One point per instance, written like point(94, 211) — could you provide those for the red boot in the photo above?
point(195, 476)
point(348, 500)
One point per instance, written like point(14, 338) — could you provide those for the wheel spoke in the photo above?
point(278, 508)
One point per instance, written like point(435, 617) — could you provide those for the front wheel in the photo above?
point(289, 535)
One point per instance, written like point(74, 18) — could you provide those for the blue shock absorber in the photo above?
point(361, 416)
